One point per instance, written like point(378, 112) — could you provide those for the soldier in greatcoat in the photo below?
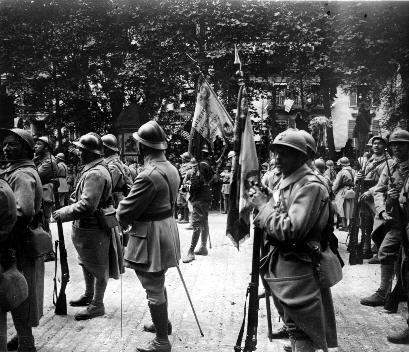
point(8, 217)
point(121, 179)
point(294, 224)
point(62, 175)
point(24, 180)
point(96, 241)
point(153, 245)
point(387, 233)
point(368, 176)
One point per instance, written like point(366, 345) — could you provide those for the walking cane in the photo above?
point(190, 301)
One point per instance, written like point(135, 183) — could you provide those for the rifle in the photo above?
point(60, 300)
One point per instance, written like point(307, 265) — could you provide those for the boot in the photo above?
point(281, 333)
point(203, 249)
point(379, 297)
point(190, 254)
point(152, 328)
point(82, 301)
point(26, 344)
point(302, 345)
point(374, 260)
point(401, 337)
point(92, 311)
point(161, 342)
point(12, 345)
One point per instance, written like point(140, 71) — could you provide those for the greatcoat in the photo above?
point(120, 178)
point(344, 181)
point(99, 250)
point(25, 182)
point(153, 244)
point(299, 217)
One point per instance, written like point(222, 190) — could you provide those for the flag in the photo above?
point(245, 170)
point(210, 118)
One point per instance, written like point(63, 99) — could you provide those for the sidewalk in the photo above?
point(217, 285)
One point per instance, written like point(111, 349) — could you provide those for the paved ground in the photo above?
point(217, 285)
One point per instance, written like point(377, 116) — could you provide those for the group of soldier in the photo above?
point(121, 218)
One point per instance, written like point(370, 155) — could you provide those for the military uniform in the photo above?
point(121, 181)
point(8, 216)
point(289, 272)
point(343, 182)
point(183, 194)
point(25, 182)
point(63, 187)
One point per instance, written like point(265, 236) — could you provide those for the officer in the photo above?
point(368, 176)
point(62, 174)
point(121, 180)
point(386, 224)
point(24, 180)
point(47, 169)
point(344, 182)
point(153, 246)
point(93, 229)
point(8, 216)
point(292, 229)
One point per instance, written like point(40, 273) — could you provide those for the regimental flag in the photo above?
point(210, 118)
point(245, 170)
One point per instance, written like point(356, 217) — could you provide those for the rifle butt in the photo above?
point(61, 304)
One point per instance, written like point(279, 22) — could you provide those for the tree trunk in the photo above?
point(117, 100)
point(326, 93)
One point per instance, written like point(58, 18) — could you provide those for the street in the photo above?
point(217, 285)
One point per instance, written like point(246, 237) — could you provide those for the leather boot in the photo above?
point(81, 301)
point(302, 345)
point(379, 297)
point(92, 311)
point(152, 328)
point(12, 345)
point(281, 333)
point(195, 238)
point(26, 344)
point(374, 260)
point(161, 342)
point(401, 337)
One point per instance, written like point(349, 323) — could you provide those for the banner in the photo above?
point(246, 170)
point(210, 118)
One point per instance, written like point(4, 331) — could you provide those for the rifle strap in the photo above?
point(237, 347)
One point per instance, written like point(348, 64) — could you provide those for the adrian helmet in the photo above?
point(344, 161)
point(310, 141)
point(60, 156)
point(205, 148)
point(291, 138)
point(45, 140)
point(186, 156)
point(109, 141)
point(151, 135)
point(91, 142)
point(399, 136)
point(24, 135)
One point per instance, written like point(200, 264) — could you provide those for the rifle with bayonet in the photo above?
point(60, 300)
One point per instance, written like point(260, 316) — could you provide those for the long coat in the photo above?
point(343, 181)
point(154, 239)
point(120, 177)
point(25, 182)
point(8, 211)
point(99, 250)
point(47, 170)
point(299, 217)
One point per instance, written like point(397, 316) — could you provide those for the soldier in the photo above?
point(343, 183)
point(226, 177)
point(292, 229)
point(153, 245)
point(271, 178)
point(93, 229)
point(386, 220)
point(8, 216)
point(24, 180)
point(369, 175)
point(47, 169)
point(62, 174)
point(201, 197)
point(330, 172)
point(121, 181)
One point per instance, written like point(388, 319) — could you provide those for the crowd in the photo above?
point(126, 215)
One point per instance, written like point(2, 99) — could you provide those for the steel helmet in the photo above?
point(374, 138)
point(45, 140)
point(186, 156)
point(399, 136)
point(205, 148)
point(194, 162)
point(109, 141)
point(344, 161)
point(231, 154)
point(91, 142)
point(319, 164)
point(60, 156)
point(293, 139)
point(329, 163)
point(24, 135)
point(151, 135)
point(310, 141)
